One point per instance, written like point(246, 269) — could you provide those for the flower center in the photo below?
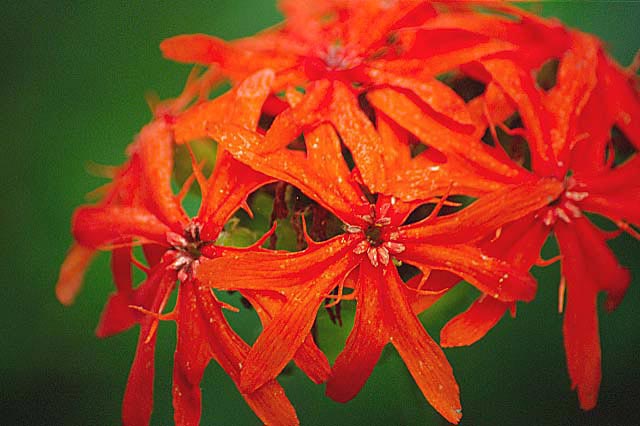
point(184, 254)
point(375, 244)
point(193, 248)
point(565, 207)
point(373, 235)
point(337, 58)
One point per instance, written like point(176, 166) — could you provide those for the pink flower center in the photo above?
point(566, 207)
point(184, 254)
point(338, 58)
point(376, 243)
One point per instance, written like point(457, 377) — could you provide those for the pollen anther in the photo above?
point(576, 195)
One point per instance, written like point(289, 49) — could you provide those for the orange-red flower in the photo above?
point(358, 117)
point(374, 236)
point(333, 54)
point(142, 209)
point(568, 130)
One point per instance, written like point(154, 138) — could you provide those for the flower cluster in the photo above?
point(405, 146)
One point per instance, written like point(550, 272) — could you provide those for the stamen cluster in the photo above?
point(377, 243)
point(185, 251)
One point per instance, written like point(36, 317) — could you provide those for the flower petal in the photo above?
point(121, 269)
point(622, 95)
point(99, 226)
point(424, 358)
point(154, 147)
point(302, 116)
point(359, 135)
point(433, 51)
point(117, 314)
point(490, 275)
point(440, 97)
point(426, 176)
point(596, 119)
point(204, 333)
point(241, 106)
point(153, 253)
point(486, 214)
point(327, 182)
point(580, 327)
point(228, 188)
point(472, 325)
point(235, 269)
point(403, 14)
point(138, 397)
point(494, 101)
point(250, 97)
point(191, 358)
point(602, 263)
point(519, 242)
point(269, 402)
point(309, 358)
point(436, 285)
point(430, 132)
point(354, 364)
point(614, 193)
point(520, 87)
point(72, 273)
point(284, 335)
point(273, 49)
point(194, 48)
point(576, 79)
point(193, 123)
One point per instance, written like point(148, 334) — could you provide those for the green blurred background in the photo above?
point(74, 75)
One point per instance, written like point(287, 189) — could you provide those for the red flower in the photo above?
point(354, 116)
point(374, 235)
point(118, 193)
point(334, 54)
point(174, 246)
point(568, 129)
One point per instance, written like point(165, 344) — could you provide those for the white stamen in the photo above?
point(367, 218)
point(562, 214)
point(384, 209)
point(361, 247)
point(383, 255)
point(352, 229)
point(183, 275)
point(176, 240)
point(180, 261)
point(576, 195)
point(383, 221)
point(394, 247)
point(573, 209)
point(372, 253)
